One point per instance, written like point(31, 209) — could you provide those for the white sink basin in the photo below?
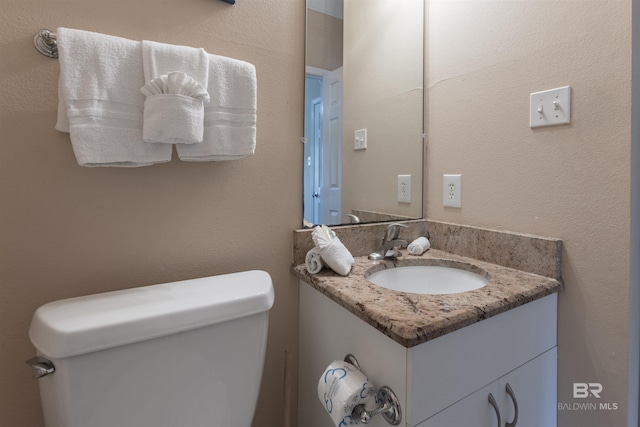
point(428, 279)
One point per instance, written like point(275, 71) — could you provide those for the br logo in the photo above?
point(584, 390)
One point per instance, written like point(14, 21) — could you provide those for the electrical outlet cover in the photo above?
point(404, 188)
point(452, 191)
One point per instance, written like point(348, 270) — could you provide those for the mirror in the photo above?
point(363, 118)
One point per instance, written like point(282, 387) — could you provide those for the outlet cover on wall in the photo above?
point(404, 188)
point(452, 191)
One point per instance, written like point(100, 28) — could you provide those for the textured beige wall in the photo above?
point(383, 93)
point(323, 41)
point(68, 231)
point(571, 182)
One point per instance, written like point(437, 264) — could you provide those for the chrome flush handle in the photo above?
point(41, 366)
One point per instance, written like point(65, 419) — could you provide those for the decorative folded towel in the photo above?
point(174, 109)
point(419, 246)
point(337, 257)
point(332, 251)
point(176, 89)
point(313, 261)
point(230, 116)
point(100, 104)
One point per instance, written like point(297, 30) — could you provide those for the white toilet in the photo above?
point(181, 354)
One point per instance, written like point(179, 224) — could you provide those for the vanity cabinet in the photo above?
point(534, 389)
point(442, 382)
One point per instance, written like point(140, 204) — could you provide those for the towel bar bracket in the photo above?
point(46, 43)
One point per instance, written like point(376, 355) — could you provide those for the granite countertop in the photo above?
point(412, 319)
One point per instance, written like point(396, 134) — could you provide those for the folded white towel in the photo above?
point(100, 104)
point(337, 257)
point(174, 109)
point(176, 88)
point(419, 246)
point(332, 251)
point(230, 115)
point(175, 83)
point(322, 236)
point(162, 58)
point(313, 261)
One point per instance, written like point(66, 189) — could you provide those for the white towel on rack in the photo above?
point(176, 79)
point(230, 115)
point(100, 102)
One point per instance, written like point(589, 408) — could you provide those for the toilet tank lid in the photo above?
point(89, 323)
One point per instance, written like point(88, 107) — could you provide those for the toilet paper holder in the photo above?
point(385, 397)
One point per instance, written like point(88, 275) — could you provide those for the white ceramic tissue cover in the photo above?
point(340, 388)
point(337, 257)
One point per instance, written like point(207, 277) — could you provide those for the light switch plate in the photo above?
point(360, 139)
point(550, 107)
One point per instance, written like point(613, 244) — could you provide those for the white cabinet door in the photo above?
point(534, 387)
point(472, 411)
point(451, 367)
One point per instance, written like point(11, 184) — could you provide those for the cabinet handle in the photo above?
point(493, 403)
point(515, 405)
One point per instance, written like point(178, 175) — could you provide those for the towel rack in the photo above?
point(46, 43)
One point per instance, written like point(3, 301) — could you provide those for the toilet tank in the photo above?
point(181, 354)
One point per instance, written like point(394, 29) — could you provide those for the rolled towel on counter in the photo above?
point(313, 261)
point(333, 252)
point(322, 235)
point(337, 257)
point(419, 246)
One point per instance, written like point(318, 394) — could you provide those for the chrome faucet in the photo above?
point(390, 241)
point(353, 219)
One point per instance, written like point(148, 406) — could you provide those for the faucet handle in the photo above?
point(393, 230)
